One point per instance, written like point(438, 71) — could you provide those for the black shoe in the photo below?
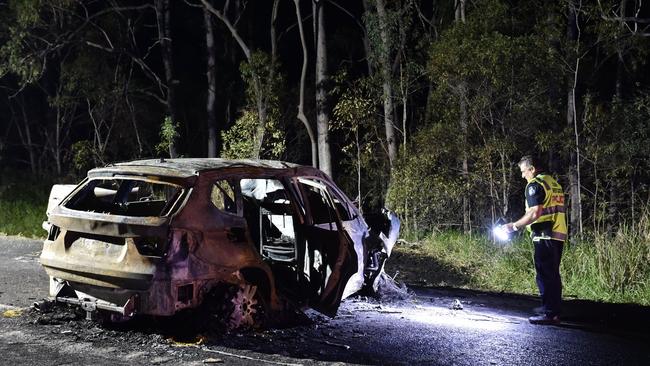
point(544, 319)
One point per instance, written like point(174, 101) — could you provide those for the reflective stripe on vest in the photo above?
point(553, 209)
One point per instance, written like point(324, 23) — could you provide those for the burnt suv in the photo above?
point(159, 236)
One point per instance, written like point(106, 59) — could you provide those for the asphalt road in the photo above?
point(491, 329)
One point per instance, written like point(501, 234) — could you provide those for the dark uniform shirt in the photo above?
point(535, 196)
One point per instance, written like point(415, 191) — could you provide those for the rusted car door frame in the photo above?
point(344, 265)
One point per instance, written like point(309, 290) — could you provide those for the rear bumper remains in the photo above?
point(162, 298)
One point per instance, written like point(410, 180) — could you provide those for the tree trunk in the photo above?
point(358, 144)
point(301, 102)
point(493, 194)
point(274, 38)
point(322, 113)
point(404, 94)
point(387, 87)
point(366, 42)
point(613, 206)
point(164, 34)
point(260, 101)
point(27, 140)
point(129, 105)
point(56, 148)
point(62, 117)
point(261, 115)
point(459, 7)
point(212, 85)
point(462, 95)
point(573, 38)
point(620, 64)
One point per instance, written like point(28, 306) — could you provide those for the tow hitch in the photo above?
point(90, 305)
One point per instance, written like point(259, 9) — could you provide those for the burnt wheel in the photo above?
point(237, 307)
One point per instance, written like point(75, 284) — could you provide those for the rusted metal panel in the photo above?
point(109, 225)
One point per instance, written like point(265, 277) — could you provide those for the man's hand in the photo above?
point(509, 227)
point(532, 214)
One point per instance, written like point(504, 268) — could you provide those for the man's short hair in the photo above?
point(530, 160)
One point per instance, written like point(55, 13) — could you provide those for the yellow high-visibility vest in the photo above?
point(553, 209)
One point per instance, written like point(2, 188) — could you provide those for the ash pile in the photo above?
point(390, 290)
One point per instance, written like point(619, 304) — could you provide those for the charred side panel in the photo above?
point(222, 244)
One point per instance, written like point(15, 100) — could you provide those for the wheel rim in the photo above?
point(245, 307)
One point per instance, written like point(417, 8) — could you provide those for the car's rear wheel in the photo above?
point(237, 306)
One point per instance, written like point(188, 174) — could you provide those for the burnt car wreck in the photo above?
point(259, 237)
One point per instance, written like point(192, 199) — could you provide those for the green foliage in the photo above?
point(354, 117)
point(239, 141)
point(32, 27)
point(263, 83)
point(426, 189)
point(83, 155)
point(168, 133)
point(14, 58)
point(614, 171)
point(262, 77)
point(355, 106)
point(45, 47)
point(500, 73)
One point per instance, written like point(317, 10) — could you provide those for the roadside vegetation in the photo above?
point(609, 267)
point(23, 200)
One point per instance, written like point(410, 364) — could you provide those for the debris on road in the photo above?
point(340, 345)
point(213, 360)
point(456, 305)
point(44, 306)
point(12, 313)
point(391, 290)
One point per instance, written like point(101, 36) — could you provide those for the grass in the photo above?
point(605, 267)
point(23, 200)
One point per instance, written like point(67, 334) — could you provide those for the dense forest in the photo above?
point(422, 106)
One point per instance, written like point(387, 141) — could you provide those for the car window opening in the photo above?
point(223, 196)
point(270, 217)
point(321, 210)
point(127, 197)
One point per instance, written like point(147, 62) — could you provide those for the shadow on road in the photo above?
point(437, 273)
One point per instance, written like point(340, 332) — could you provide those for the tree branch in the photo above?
point(233, 31)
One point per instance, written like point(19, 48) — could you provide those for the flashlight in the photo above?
point(500, 233)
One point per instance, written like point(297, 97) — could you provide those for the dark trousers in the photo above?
point(547, 265)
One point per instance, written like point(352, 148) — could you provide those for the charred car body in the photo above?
point(159, 236)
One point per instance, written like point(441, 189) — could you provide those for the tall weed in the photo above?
point(613, 267)
point(23, 200)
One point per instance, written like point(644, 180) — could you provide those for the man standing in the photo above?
point(545, 220)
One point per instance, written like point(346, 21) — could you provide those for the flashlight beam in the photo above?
point(500, 233)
